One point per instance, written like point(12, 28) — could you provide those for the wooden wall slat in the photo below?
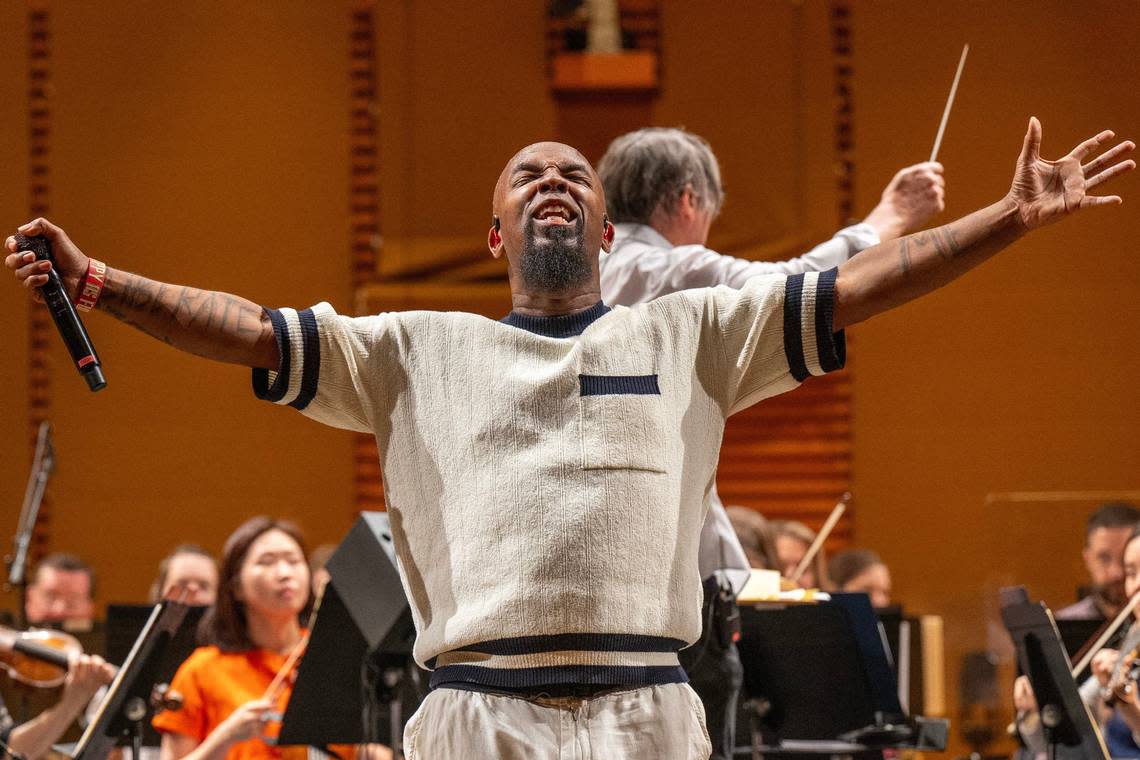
point(39, 204)
point(364, 210)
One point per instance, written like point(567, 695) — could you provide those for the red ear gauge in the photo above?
point(495, 239)
point(608, 233)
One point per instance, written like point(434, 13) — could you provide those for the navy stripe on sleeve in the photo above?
point(832, 345)
point(605, 385)
point(311, 350)
point(261, 387)
point(793, 337)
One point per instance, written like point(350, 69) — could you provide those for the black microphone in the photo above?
point(64, 315)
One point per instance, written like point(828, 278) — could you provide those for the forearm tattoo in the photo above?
point(182, 316)
point(904, 255)
point(941, 239)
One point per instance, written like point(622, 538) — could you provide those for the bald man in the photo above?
point(547, 474)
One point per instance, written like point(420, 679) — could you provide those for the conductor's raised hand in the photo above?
point(1048, 191)
point(913, 196)
point(69, 260)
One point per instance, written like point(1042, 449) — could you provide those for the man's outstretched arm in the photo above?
point(208, 323)
point(1043, 192)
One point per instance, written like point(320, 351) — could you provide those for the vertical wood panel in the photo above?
point(40, 329)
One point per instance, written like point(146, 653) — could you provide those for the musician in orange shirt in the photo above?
point(254, 627)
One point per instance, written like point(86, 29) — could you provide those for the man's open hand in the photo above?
point(1048, 191)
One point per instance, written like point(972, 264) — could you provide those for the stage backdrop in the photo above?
point(208, 143)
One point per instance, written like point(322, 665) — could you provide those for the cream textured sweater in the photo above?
point(547, 477)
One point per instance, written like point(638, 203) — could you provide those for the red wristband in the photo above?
point(92, 285)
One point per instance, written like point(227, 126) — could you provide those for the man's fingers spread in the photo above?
point(1110, 172)
point(1106, 158)
point(1101, 200)
point(1091, 144)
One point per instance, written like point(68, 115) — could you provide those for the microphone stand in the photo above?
point(42, 467)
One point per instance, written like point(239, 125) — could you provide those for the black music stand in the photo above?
point(1070, 731)
point(820, 682)
point(124, 624)
point(358, 662)
point(127, 703)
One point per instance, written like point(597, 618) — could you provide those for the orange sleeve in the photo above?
point(190, 719)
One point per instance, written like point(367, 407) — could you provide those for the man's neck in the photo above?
point(679, 231)
point(554, 304)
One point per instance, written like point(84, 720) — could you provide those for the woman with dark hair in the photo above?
point(862, 571)
point(263, 599)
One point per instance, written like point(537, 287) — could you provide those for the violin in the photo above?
point(37, 657)
point(1121, 686)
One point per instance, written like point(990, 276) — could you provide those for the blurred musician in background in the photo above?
point(755, 534)
point(189, 574)
point(793, 539)
point(861, 571)
point(255, 625)
point(61, 593)
point(1110, 693)
point(1106, 532)
point(34, 738)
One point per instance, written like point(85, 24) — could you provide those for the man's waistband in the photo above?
point(535, 663)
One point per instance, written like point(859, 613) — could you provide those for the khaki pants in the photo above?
point(653, 723)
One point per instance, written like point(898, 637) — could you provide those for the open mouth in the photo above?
point(554, 212)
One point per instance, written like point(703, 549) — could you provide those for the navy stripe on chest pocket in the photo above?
point(610, 385)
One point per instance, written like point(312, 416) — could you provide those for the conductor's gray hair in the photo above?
point(652, 167)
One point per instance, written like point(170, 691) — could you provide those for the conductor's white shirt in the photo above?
point(643, 265)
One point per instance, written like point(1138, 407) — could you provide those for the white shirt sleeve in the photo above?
point(694, 266)
point(773, 333)
point(331, 365)
point(720, 549)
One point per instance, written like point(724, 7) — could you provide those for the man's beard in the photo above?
point(1112, 595)
point(559, 263)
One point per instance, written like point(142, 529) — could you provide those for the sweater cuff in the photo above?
point(298, 344)
point(811, 345)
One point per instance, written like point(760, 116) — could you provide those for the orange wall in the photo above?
point(14, 456)
point(203, 145)
point(1021, 376)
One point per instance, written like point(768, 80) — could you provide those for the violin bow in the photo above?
point(283, 672)
point(949, 103)
point(824, 532)
point(1090, 652)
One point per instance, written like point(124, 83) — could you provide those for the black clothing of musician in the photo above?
point(714, 669)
